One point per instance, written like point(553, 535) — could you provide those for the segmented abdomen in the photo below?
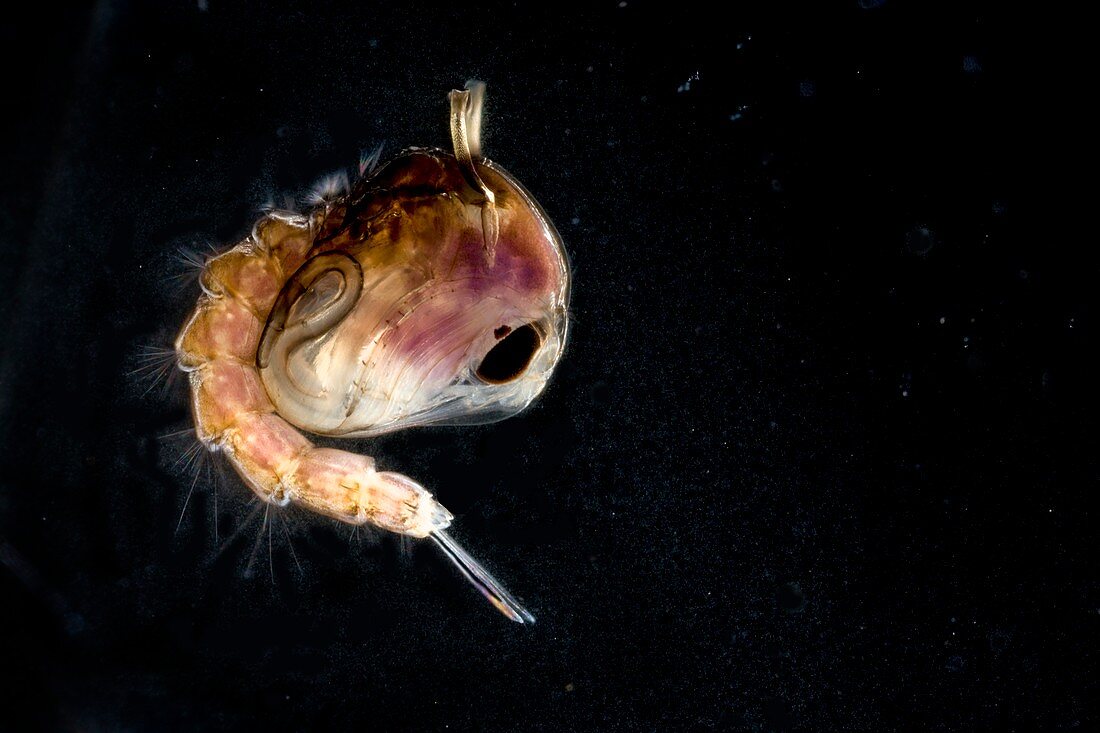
point(233, 412)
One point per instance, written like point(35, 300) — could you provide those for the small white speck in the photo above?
point(686, 86)
point(942, 320)
point(905, 393)
point(575, 220)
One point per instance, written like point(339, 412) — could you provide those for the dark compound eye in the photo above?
point(510, 357)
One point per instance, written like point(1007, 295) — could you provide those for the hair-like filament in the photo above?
point(501, 599)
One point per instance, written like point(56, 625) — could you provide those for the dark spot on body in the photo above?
point(510, 357)
point(502, 331)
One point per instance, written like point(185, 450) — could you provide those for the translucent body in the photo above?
point(434, 291)
point(431, 299)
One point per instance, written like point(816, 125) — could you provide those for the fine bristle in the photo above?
point(328, 188)
point(369, 161)
point(153, 369)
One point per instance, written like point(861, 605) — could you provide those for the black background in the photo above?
point(819, 456)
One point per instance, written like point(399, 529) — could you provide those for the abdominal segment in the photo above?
point(233, 412)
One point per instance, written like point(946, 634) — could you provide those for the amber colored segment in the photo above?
point(346, 486)
point(223, 390)
point(264, 448)
point(402, 505)
point(219, 328)
point(245, 275)
point(332, 482)
point(286, 241)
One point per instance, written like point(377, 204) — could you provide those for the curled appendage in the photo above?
point(334, 281)
point(466, 106)
point(501, 599)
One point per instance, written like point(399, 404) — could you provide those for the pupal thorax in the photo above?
point(435, 291)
